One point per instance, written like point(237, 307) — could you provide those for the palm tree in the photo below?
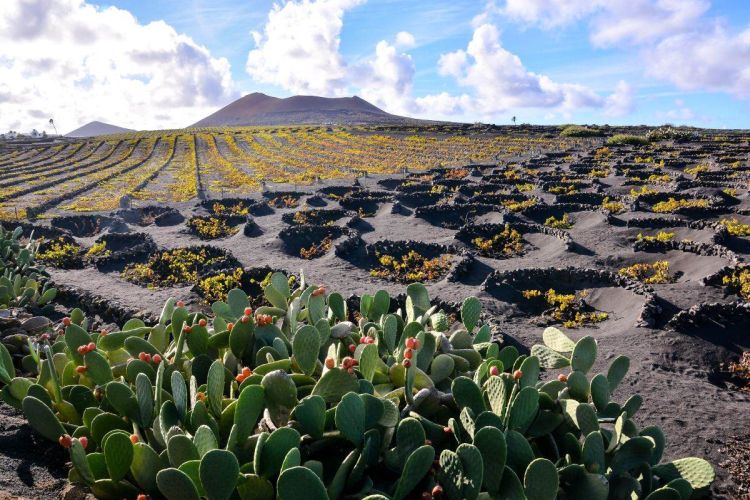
point(52, 122)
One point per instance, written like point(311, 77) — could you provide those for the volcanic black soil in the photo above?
point(675, 354)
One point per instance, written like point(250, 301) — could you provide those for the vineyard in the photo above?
point(177, 166)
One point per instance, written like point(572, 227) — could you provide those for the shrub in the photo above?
point(580, 131)
point(316, 250)
point(735, 227)
point(672, 205)
point(456, 173)
point(178, 266)
point(287, 201)
point(98, 250)
point(237, 208)
point(613, 207)
point(61, 252)
point(568, 309)
point(627, 139)
point(698, 169)
point(662, 236)
point(563, 189)
point(294, 401)
point(519, 206)
point(738, 282)
point(741, 370)
point(211, 228)
point(215, 288)
point(655, 273)
point(645, 190)
point(506, 243)
point(556, 223)
point(411, 267)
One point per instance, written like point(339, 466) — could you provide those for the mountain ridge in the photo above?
point(95, 128)
point(261, 109)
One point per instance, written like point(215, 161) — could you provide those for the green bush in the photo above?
point(297, 401)
point(627, 139)
point(580, 131)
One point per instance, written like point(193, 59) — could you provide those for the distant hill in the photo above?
point(95, 128)
point(262, 109)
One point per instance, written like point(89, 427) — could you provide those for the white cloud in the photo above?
point(444, 105)
point(642, 21)
point(299, 47)
point(620, 102)
point(386, 79)
point(405, 40)
point(499, 81)
point(549, 13)
point(70, 60)
point(612, 21)
point(712, 59)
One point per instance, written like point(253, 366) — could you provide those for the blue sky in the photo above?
point(544, 61)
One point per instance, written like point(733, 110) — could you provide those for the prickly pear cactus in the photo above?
point(296, 400)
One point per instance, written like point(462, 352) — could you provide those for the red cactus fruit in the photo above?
point(65, 441)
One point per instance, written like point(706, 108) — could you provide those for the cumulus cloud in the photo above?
point(299, 48)
point(621, 101)
point(704, 60)
point(405, 40)
point(642, 21)
point(79, 63)
point(386, 78)
point(678, 42)
point(498, 80)
point(547, 13)
point(612, 22)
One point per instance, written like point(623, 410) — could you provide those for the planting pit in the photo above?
point(541, 294)
point(115, 250)
point(365, 203)
point(154, 215)
point(311, 242)
point(315, 216)
point(62, 252)
point(452, 216)
point(236, 207)
point(718, 334)
point(178, 266)
point(283, 199)
point(414, 261)
point(84, 225)
point(214, 227)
